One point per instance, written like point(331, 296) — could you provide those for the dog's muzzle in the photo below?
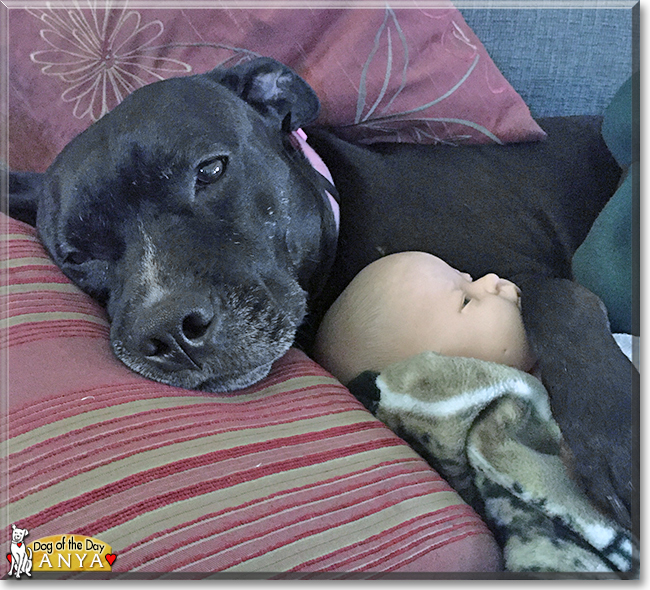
point(216, 343)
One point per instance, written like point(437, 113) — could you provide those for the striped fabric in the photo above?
point(290, 475)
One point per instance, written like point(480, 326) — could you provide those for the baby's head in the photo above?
point(408, 303)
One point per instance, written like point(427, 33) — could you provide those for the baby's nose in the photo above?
point(490, 283)
point(495, 285)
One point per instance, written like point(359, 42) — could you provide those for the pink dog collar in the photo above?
point(299, 140)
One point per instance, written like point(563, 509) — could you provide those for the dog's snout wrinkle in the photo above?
point(169, 354)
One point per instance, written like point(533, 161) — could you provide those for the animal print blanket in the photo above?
point(488, 429)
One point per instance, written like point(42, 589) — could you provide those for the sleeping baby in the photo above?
point(443, 360)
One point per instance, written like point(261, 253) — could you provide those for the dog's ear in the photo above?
point(273, 89)
point(24, 193)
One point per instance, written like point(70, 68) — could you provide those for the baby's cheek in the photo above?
point(516, 351)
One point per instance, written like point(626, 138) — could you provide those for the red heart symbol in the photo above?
point(9, 557)
point(19, 544)
point(110, 557)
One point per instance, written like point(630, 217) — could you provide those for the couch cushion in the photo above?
point(411, 74)
point(569, 60)
point(289, 475)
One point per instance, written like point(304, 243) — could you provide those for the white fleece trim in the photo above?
point(461, 403)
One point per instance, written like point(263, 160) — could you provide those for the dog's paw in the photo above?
point(590, 384)
point(594, 414)
point(602, 469)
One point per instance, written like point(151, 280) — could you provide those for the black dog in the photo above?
point(192, 215)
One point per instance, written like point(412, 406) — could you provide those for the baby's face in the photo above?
point(464, 317)
point(412, 302)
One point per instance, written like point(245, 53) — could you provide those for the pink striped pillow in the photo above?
point(290, 475)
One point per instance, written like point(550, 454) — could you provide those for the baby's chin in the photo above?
point(519, 359)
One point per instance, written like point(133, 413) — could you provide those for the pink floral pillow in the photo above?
point(410, 74)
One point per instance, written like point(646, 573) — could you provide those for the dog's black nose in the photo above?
point(173, 333)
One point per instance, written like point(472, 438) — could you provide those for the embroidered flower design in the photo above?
point(101, 54)
point(390, 55)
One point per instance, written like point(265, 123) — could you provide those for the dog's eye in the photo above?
point(210, 171)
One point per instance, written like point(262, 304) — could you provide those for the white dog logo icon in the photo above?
point(21, 561)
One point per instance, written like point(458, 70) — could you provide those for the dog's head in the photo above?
point(17, 535)
point(188, 212)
